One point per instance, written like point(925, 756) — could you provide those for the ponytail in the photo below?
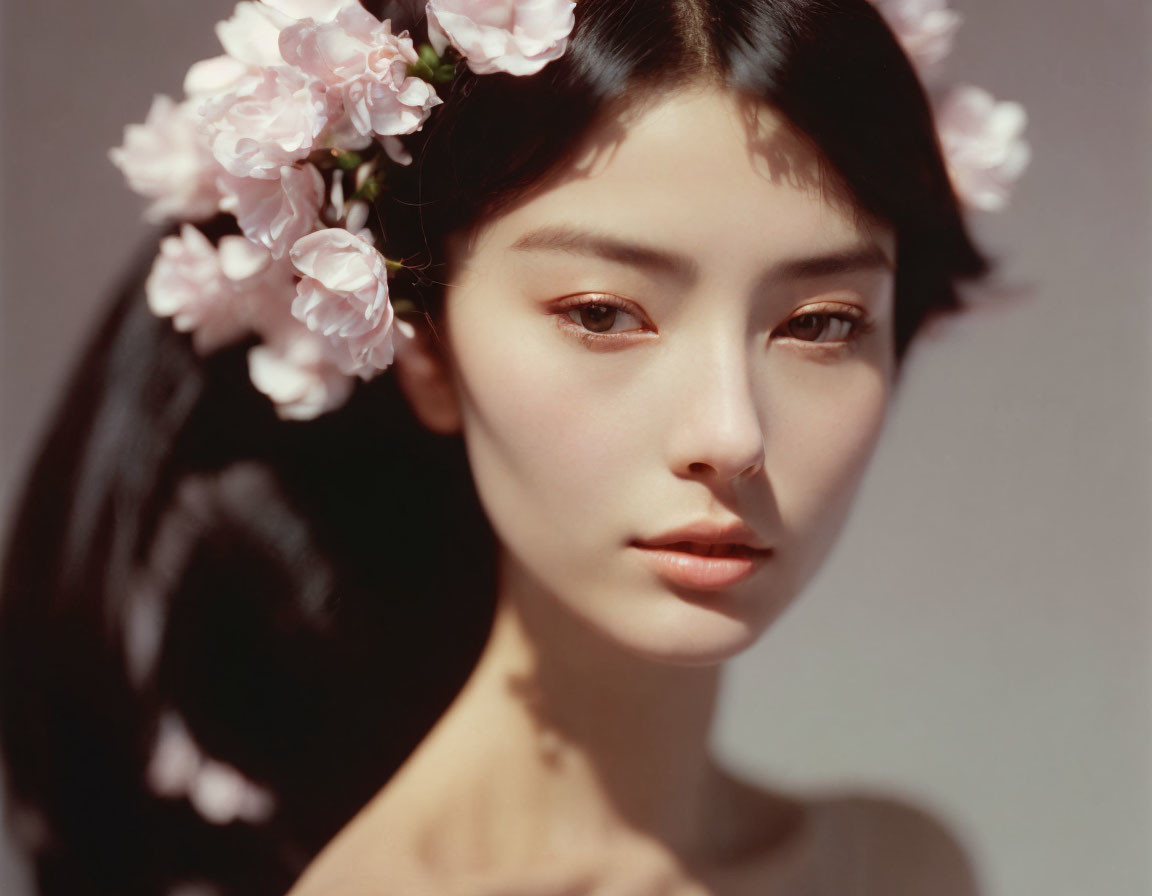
point(304, 599)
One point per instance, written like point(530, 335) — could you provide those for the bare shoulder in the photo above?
point(846, 842)
point(905, 849)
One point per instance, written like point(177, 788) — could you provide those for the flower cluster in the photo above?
point(178, 768)
point(289, 131)
point(982, 138)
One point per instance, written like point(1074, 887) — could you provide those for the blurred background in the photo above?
point(981, 641)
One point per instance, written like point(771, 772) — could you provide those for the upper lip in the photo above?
point(709, 532)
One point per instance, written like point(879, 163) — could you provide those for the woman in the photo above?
point(463, 633)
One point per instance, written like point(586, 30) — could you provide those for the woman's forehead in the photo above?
point(703, 172)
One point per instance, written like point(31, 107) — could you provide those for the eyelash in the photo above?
point(861, 323)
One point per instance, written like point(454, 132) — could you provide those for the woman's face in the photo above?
point(684, 332)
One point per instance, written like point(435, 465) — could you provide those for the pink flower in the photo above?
point(212, 77)
point(984, 146)
point(252, 33)
point(222, 795)
point(351, 215)
point(251, 40)
point(219, 792)
point(187, 284)
point(395, 149)
point(925, 29)
point(320, 10)
point(175, 758)
point(294, 368)
point(267, 122)
point(213, 293)
point(275, 213)
point(519, 37)
point(343, 296)
point(167, 159)
point(361, 61)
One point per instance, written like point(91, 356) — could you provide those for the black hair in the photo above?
point(308, 597)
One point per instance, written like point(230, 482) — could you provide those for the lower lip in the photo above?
point(700, 572)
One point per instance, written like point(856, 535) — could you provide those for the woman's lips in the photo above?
point(703, 567)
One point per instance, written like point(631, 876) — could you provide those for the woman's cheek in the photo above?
point(824, 442)
point(531, 406)
point(542, 425)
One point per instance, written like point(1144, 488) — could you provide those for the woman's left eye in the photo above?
point(835, 327)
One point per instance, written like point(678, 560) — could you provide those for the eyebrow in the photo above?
point(584, 242)
point(865, 257)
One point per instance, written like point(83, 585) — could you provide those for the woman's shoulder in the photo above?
point(903, 847)
point(861, 843)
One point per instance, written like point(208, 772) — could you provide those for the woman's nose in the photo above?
point(717, 431)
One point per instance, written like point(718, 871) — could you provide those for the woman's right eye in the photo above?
point(605, 315)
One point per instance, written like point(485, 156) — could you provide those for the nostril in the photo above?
point(699, 468)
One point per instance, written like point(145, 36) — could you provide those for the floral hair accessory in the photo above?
point(982, 138)
point(502, 35)
point(178, 768)
point(290, 131)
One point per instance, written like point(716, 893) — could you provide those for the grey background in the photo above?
point(980, 640)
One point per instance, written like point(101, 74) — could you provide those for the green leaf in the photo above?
point(349, 161)
point(428, 56)
point(371, 189)
point(444, 73)
point(420, 70)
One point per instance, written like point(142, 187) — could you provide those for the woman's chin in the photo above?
point(692, 628)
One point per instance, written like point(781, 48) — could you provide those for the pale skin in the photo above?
point(739, 369)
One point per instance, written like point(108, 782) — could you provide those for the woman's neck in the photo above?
point(563, 741)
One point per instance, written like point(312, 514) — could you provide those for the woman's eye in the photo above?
point(823, 326)
point(600, 317)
